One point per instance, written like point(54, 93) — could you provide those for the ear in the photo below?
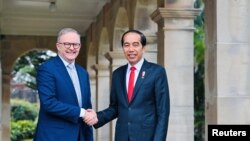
point(58, 46)
point(144, 49)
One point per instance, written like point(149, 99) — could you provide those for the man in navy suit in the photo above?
point(64, 92)
point(144, 116)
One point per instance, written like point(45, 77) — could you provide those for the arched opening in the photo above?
point(24, 101)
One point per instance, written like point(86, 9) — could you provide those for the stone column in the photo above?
point(117, 58)
point(151, 48)
point(175, 52)
point(5, 117)
point(102, 98)
point(227, 62)
point(92, 77)
point(1, 114)
point(4, 94)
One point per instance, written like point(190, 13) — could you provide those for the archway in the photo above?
point(11, 48)
point(23, 93)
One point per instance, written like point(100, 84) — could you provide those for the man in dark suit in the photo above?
point(64, 92)
point(144, 116)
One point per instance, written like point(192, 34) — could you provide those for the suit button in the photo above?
point(128, 123)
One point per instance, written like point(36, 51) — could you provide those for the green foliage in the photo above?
point(23, 119)
point(199, 90)
point(22, 129)
point(23, 110)
point(23, 113)
point(25, 68)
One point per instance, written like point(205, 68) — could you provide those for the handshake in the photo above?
point(90, 117)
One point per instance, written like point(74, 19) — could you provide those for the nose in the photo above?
point(131, 48)
point(71, 46)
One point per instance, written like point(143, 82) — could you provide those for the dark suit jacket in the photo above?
point(59, 111)
point(146, 117)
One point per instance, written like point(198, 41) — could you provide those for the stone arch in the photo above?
point(91, 57)
point(143, 22)
point(32, 97)
point(91, 60)
point(11, 48)
point(103, 47)
point(103, 81)
point(121, 25)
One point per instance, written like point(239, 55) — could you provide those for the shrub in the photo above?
point(23, 110)
point(22, 129)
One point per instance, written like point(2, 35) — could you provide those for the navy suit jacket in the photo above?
point(146, 117)
point(59, 111)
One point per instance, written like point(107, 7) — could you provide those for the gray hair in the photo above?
point(64, 31)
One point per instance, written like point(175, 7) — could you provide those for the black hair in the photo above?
point(143, 38)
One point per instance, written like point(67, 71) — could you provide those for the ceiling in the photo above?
point(34, 17)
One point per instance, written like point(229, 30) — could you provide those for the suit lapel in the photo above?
point(64, 73)
point(143, 74)
point(123, 83)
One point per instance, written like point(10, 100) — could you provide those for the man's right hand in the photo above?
point(90, 117)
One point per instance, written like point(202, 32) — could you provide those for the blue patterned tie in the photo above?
point(75, 80)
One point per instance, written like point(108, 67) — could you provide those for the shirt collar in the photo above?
point(138, 65)
point(65, 62)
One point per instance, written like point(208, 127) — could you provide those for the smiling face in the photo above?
point(132, 48)
point(70, 53)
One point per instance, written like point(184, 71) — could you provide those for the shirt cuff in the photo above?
point(82, 113)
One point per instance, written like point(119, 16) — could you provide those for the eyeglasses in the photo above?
point(68, 45)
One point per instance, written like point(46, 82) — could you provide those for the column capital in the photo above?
point(92, 74)
point(101, 69)
point(175, 18)
point(116, 54)
point(116, 57)
point(162, 13)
